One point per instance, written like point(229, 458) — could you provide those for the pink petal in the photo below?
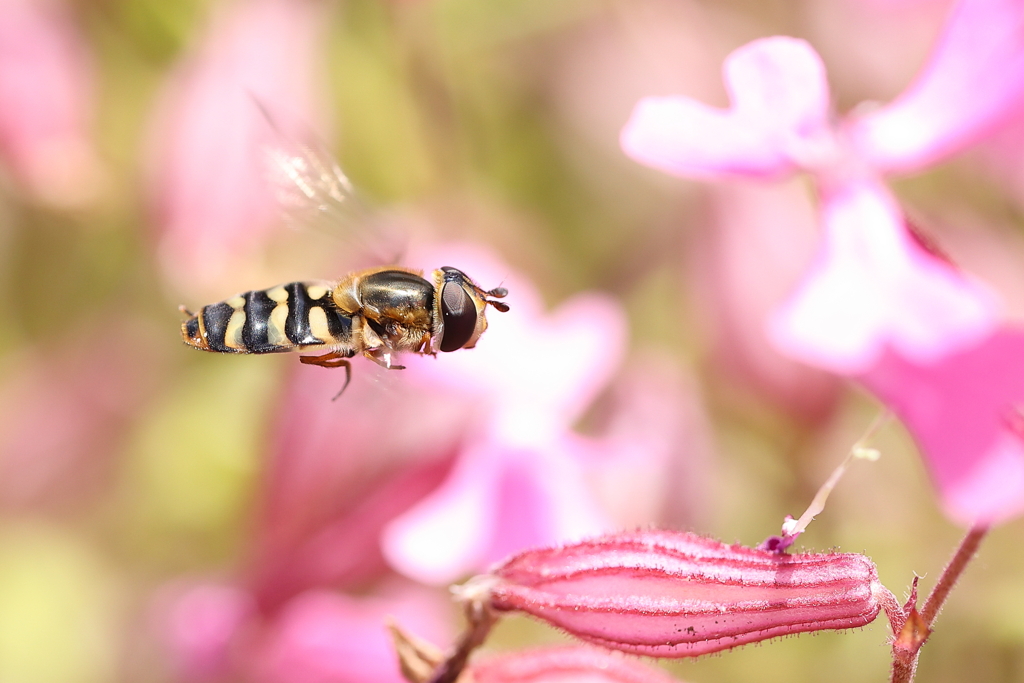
point(874, 287)
point(964, 413)
point(777, 121)
point(200, 624)
point(973, 82)
point(572, 354)
point(565, 665)
point(345, 551)
point(319, 465)
point(552, 486)
point(676, 594)
point(448, 534)
point(656, 456)
point(324, 637)
point(497, 501)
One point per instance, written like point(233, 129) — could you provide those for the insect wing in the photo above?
point(314, 192)
point(309, 183)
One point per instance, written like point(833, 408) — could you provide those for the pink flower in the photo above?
point(656, 461)
point(675, 594)
point(46, 102)
point(875, 300)
point(339, 472)
point(873, 287)
point(973, 83)
point(323, 637)
point(520, 474)
point(558, 665)
point(199, 624)
point(212, 203)
point(964, 411)
point(215, 632)
point(780, 122)
point(343, 549)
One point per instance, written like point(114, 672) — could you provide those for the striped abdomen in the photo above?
point(298, 316)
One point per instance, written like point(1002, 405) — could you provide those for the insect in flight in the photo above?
point(375, 312)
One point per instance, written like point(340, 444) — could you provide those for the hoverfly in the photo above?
point(376, 312)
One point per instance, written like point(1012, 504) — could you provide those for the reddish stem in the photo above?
point(893, 610)
point(964, 554)
point(912, 628)
point(481, 619)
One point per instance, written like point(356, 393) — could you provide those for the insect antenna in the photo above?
point(497, 293)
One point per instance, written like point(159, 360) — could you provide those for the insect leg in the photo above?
point(331, 360)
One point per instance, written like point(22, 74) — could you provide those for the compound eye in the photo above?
point(458, 313)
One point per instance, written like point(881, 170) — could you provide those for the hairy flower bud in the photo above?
point(675, 594)
point(558, 665)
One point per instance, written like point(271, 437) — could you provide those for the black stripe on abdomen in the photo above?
point(255, 335)
point(296, 327)
point(215, 321)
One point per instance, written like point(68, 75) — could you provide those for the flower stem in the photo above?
point(913, 631)
point(964, 554)
point(481, 618)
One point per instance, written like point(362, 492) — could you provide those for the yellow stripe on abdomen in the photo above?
point(275, 325)
point(233, 334)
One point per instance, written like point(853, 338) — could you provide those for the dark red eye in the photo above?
point(459, 316)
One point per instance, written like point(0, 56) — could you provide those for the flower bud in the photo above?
point(675, 594)
point(557, 665)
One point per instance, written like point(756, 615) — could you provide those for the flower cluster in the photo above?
point(877, 298)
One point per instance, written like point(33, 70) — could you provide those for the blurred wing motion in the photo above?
point(314, 192)
point(309, 183)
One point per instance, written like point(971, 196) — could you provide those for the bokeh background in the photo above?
point(167, 515)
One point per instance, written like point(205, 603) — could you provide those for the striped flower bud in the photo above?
point(674, 594)
point(562, 664)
